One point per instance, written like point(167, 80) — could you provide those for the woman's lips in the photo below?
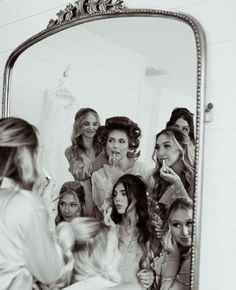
point(186, 240)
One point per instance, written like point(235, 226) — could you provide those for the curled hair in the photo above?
point(74, 188)
point(124, 124)
point(185, 114)
point(76, 138)
point(182, 143)
point(135, 189)
point(18, 151)
point(85, 242)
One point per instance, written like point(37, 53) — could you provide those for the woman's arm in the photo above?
point(103, 181)
point(175, 190)
point(42, 255)
point(182, 280)
point(101, 187)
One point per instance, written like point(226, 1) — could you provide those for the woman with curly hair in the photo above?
point(83, 151)
point(120, 136)
point(130, 214)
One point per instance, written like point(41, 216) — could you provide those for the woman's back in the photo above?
point(27, 246)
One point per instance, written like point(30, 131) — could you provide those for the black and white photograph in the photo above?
point(108, 168)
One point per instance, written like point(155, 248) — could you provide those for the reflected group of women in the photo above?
point(120, 225)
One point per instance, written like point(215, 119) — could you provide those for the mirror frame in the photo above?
point(85, 11)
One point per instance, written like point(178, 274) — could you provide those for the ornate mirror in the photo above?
point(121, 62)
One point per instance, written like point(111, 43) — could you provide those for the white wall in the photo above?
point(218, 18)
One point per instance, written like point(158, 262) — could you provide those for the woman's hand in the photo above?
point(169, 175)
point(107, 217)
point(158, 229)
point(113, 160)
point(170, 244)
point(146, 277)
point(114, 173)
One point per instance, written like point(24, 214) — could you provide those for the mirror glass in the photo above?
point(137, 64)
point(139, 67)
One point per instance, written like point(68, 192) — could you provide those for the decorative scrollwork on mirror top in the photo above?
point(83, 7)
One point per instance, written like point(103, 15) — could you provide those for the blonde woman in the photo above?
point(83, 151)
point(27, 247)
point(173, 175)
point(91, 249)
point(172, 268)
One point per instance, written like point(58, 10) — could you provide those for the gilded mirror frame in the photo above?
point(85, 11)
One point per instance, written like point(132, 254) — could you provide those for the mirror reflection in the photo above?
point(115, 103)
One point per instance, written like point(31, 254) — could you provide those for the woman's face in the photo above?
point(69, 207)
point(181, 226)
point(166, 150)
point(182, 125)
point(89, 125)
point(117, 144)
point(120, 199)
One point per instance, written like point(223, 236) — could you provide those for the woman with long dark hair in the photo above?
point(130, 214)
point(182, 118)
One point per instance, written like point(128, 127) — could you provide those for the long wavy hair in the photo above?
point(89, 247)
point(18, 152)
point(135, 189)
point(74, 188)
point(76, 138)
point(181, 141)
point(123, 124)
point(185, 114)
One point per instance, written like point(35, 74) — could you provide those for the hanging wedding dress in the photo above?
point(58, 110)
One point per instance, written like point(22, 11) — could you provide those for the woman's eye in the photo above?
point(176, 225)
point(109, 140)
point(157, 147)
point(122, 141)
point(185, 129)
point(95, 124)
point(189, 224)
point(73, 204)
point(167, 146)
